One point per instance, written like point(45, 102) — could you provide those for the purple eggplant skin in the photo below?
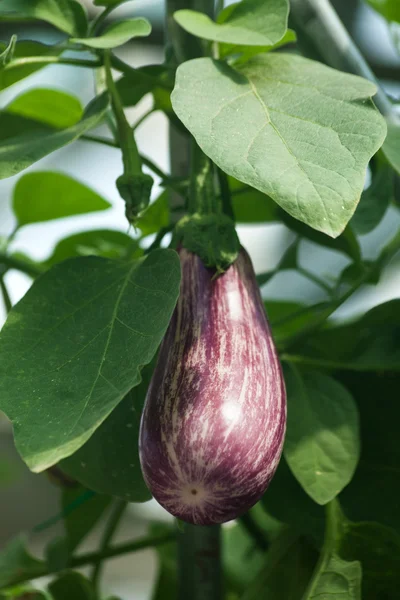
point(214, 421)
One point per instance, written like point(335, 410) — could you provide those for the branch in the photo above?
point(199, 556)
point(15, 263)
point(33, 60)
point(110, 529)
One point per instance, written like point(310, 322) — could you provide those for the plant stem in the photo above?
point(32, 60)
point(99, 140)
point(96, 24)
point(254, 531)
point(326, 364)
point(6, 295)
point(225, 193)
point(315, 279)
point(158, 239)
point(320, 23)
point(15, 263)
point(91, 558)
point(202, 197)
point(143, 118)
point(200, 563)
point(109, 531)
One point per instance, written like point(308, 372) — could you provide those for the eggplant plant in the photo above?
point(155, 362)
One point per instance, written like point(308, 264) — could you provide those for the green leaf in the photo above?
point(155, 217)
point(117, 34)
point(13, 74)
point(74, 346)
point(391, 147)
point(108, 2)
point(52, 107)
point(374, 201)
point(109, 461)
point(368, 343)
point(322, 444)
point(250, 205)
point(24, 592)
point(250, 22)
point(17, 563)
point(67, 15)
point(139, 82)
point(72, 585)
point(293, 128)
point(81, 514)
point(23, 141)
point(287, 318)
point(286, 501)
point(373, 494)
point(99, 242)
point(378, 549)
point(45, 195)
point(8, 52)
point(242, 561)
point(244, 53)
point(390, 9)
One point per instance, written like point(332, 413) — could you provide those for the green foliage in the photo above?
point(72, 585)
point(108, 463)
point(24, 141)
point(155, 217)
point(14, 73)
point(244, 53)
point(46, 195)
point(52, 107)
point(374, 201)
point(17, 563)
point(390, 9)
point(250, 22)
point(322, 444)
point(391, 147)
point(67, 15)
point(117, 34)
point(110, 317)
point(318, 145)
point(8, 52)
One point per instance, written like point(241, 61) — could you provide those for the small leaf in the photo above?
point(391, 146)
point(322, 441)
point(337, 578)
point(250, 22)
point(23, 142)
point(52, 107)
point(250, 205)
point(98, 242)
point(117, 34)
point(139, 82)
point(374, 201)
point(390, 9)
point(17, 563)
point(45, 195)
point(293, 128)
point(15, 73)
point(67, 15)
point(72, 585)
point(81, 514)
point(75, 344)
point(155, 217)
point(109, 461)
point(8, 52)
point(244, 53)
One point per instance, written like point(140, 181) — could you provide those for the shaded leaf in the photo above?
point(109, 461)
point(75, 344)
point(45, 195)
point(244, 53)
point(117, 34)
point(8, 52)
point(374, 202)
point(52, 107)
point(98, 242)
point(287, 318)
point(391, 147)
point(23, 142)
point(293, 128)
point(250, 205)
point(72, 585)
point(390, 9)
point(250, 22)
point(138, 82)
point(155, 216)
point(322, 443)
point(17, 563)
point(67, 15)
point(14, 73)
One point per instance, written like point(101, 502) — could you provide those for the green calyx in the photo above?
point(135, 190)
point(212, 237)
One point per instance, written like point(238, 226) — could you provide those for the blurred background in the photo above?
point(27, 499)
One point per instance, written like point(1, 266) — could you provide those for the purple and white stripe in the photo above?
point(214, 420)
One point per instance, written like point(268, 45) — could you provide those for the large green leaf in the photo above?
point(250, 22)
point(322, 443)
point(391, 147)
point(293, 128)
point(109, 461)
point(374, 201)
point(46, 195)
point(74, 346)
point(117, 34)
point(52, 107)
point(67, 15)
point(71, 585)
point(374, 492)
point(24, 141)
point(98, 242)
point(16, 563)
point(12, 74)
point(390, 9)
point(370, 343)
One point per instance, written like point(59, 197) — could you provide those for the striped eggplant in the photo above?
point(214, 420)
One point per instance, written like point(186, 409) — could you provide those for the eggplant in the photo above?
point(214, 420)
